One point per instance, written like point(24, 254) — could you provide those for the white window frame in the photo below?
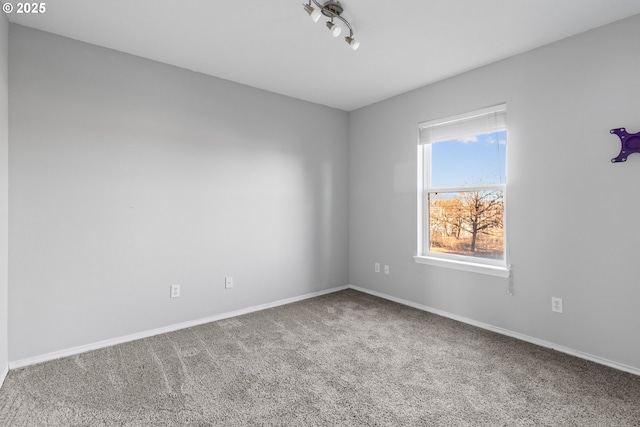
point(488, 266)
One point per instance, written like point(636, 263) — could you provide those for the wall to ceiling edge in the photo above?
point(128, 175)
point(570, 211)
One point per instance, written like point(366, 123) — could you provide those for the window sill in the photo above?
point(492, 270)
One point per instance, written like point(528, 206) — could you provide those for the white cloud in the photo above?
point(468, 139)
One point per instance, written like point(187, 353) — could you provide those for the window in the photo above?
point(462, 190)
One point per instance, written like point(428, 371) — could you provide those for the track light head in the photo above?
point(314, 14)
point(335, 30)
point(353, 43)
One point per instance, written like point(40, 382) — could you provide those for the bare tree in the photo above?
point(484, 213)
point(448, 215)
point(464, 218)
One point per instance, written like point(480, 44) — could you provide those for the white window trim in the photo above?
point(491, 270)
point(499, 268)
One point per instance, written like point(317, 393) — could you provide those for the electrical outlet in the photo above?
point(556, 305)
point(175, 291)
point(377, 267)
point(228, 282)
point(386, 269)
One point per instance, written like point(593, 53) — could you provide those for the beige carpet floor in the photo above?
point(344, 359)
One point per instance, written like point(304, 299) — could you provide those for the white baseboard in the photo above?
point(146, 334)
point(106, 343)
point(4, 375)
point(512, 334)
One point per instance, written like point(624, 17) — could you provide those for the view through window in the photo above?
point(463, 162)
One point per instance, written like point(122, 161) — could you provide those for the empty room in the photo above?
point(320, 213)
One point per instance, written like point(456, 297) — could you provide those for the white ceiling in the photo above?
point(274, 45)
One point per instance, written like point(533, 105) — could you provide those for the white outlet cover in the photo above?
point(386, 269)
point(175, 291)
point(228, 282)
point(556, 305)
point(377, 267)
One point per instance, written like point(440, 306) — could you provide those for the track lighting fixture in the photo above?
point(331, 9)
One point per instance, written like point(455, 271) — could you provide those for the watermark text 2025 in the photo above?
point(25, 8)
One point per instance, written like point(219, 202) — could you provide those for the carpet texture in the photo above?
point(343, 359)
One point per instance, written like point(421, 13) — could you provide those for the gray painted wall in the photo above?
point(571, 212)
point(4, 190)
point(128, 175)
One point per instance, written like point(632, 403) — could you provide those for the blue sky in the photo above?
point(469, 161)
